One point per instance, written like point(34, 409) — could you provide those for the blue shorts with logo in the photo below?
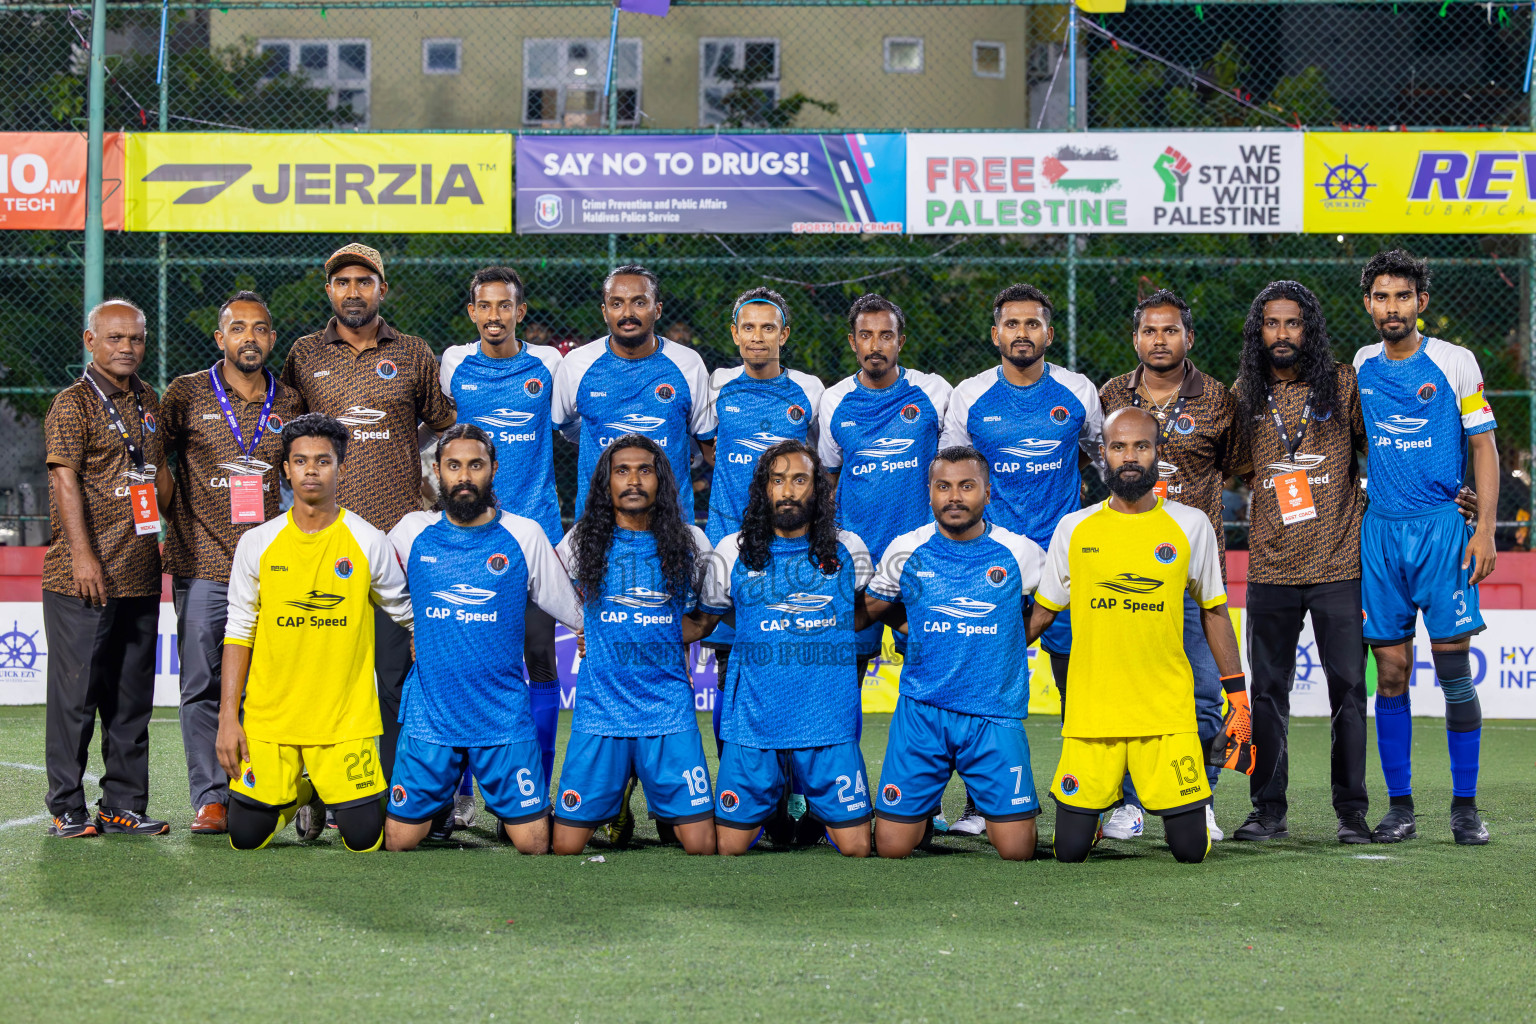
point(1411, 565)
point(670, 768)
point(832, 778)
point(427, 776)
point(927, 743)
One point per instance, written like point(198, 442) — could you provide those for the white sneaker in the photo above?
point(1126, 822)
point(463, 810)
point(969, 825)
point(1217, 835)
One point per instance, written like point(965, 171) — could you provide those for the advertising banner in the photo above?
point(344, 182)
point(1123, 182)
point(684, 184)
point(1423, 182)
point(42, 181)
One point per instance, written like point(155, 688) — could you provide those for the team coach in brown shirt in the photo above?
point(101, 579)
point(380, 384)
point(225, 425)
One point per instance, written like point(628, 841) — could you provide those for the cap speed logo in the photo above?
point(665, 393)
point(1166, 553)
point(891, 794)
point(1185, 424)
point(1059, 414)
point(497, 563)
point(533, 387)
point(997, 575)
point(397, 795)
point(1069, 784)
point(344, 567)
point(794, 414)
point(729, 800)
point(1426, 393)
point(570, 800)
point(910, 413)
point(386, 369)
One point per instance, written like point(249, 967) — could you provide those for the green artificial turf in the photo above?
point(183, 928)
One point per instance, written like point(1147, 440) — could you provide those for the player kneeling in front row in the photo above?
point(642, 574)
point(796, 583)
point(963, 586)
point(301, 627)
point(472, 571)
point(1123, 567)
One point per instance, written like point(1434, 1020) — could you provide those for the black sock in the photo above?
point(1463, 801)
point(1405, 800)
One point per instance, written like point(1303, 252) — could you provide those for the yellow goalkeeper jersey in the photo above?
point(301, 602)
point(1124, 577)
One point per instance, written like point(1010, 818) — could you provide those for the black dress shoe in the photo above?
point(1353, 828)
point(1396, 826)
point(1467, 827)
point(1261, 826)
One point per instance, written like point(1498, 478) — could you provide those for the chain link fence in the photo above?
point(755, 66)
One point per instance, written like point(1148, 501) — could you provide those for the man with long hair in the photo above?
point(1298, 427)
point(642, 573)
point(796, 583)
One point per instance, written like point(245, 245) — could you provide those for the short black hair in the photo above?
point(243, 296)
point(760, 294)
point(1395, 263)
point(634, 270)
point(962, 453)
point(506, 275)
point(316, 424)
point(872, 303)
point(1021, 293)
point(463, 432)
point(1164, 297)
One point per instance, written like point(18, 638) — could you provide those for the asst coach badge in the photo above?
point(344, 567)
point(386, 369)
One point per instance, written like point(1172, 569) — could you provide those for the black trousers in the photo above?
point(1275, 616)
point(101, 661)
point(391, 664)
point(539, 645)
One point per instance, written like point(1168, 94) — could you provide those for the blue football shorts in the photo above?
point(670, 768)
point(926, 744)
point(832, 778)
point(427, 776)
point(1412, 565)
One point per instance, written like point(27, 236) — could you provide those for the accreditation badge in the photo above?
point(246, 504)
point(1294, 494)
point(146, 510)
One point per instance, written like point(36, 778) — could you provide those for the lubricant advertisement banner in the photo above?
point(343, 182)
point(42, 181)
point(1123, 182)
point(685, 184)
point(1422, 182)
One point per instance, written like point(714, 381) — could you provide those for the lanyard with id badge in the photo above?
point(1161, 487)
point(246, 505)
point(141, 486)
point(1292, 490)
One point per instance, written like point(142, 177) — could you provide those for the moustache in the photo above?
point(629, 322)
point(633, 492)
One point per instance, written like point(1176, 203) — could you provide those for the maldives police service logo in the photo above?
point(386, 369)
point(891, 794)
point(344, 567)
point(533, 387)
point(570, 800)
point(1165, 553)
point(546, 211)
point(1059, 414)
point(729, 800)
point(149, 422)
point(910, 413)
point(997, 575)
point(397, 795)
point(497, 564)
point(1426, 393)
point(794, 414)
point(665, 393)
point(1185, 424)
point(1069, 784)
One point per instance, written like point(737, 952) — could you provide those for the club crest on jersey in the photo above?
point(397, 795)
point(729, 800)
point(997, 575)
point(570, 800)
point(275, 423)
point(665, 393)
point(794, 414)
point(1165, 553)
point(386, 369)
point(1059, 414)
point(1185, 424)
point(344, 567)
point(533, 387)
point(1069, 784)
point(149, 422)
point(891, 794)
point(910, 413)
point(1426, 393)
point(497, 564)
point(249, 778)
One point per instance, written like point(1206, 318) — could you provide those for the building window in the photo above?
point(339, 66)
point(989, 60)
point(904, 55)
point(563, 82)
point(441, 56)
point(738, 80)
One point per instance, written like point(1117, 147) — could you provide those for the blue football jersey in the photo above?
point(510, 400)
point(634, 680)
point(469, 589)
point(753, 416)
point(794, 678)
point(881, 442)
point(966, 602)
point(1418, 414)
point(1031, 437)
point(600, 397)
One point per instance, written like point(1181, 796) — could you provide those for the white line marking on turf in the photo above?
point(1371, 856)
point(18, 822)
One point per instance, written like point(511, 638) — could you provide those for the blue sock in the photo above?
point(467, 784)
point(1463, 719)
point(1394, 741)
point(545, 698)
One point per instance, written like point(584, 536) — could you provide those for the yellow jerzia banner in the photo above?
point(1423, 182)
point(339, 182)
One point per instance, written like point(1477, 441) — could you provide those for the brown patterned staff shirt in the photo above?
point(79, 435)
point(379, 394)
point(1198, 451)
point(1321, 550)
point(200, 539)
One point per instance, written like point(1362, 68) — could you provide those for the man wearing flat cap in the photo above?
point(381, 384)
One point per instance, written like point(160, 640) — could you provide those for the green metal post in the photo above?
point(1072, 236)
point(1530, 326)
point(94, 232)
point(164, 262)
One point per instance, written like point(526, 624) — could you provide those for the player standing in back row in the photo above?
point(1423, 403)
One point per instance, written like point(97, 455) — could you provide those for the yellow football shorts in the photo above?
point(343, 774)
point(1169, 773)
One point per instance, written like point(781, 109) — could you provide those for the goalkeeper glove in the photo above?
point(1233, 747)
